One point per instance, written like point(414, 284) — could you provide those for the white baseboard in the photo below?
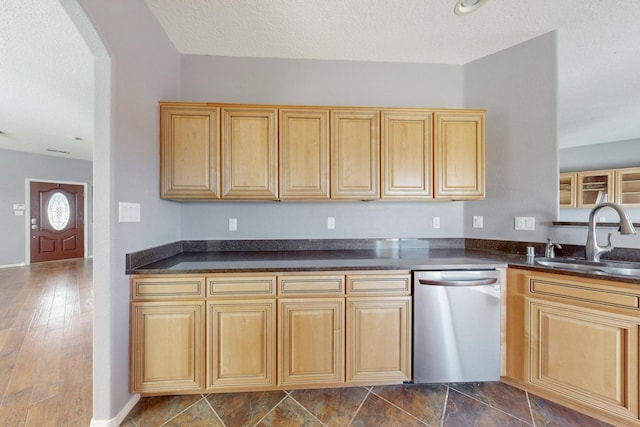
point(115, 421)
point(22, 264)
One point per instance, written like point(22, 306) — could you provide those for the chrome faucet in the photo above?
point(549, 250)
point(593, 251)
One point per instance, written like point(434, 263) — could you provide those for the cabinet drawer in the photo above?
point(166, 287)
point(397, 283)
point(241, 285)
point(566, 290)
point(301, 285)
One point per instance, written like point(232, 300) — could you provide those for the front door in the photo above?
point(57, 221)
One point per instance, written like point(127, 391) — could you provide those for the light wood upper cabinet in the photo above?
point(594, 187)
point(568, 193)
point(249, 153)
point(304, 154)
point(189, 151)
point(459, 155)
point(355, 154)
point(407, 146)
point(628, 187)
point(263, 152)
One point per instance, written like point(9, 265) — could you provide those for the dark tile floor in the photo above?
point(435, 405)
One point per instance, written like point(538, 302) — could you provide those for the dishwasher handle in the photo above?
point(472, 282)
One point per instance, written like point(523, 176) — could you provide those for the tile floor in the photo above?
point(435, 405)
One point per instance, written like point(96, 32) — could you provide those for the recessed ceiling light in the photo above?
point(464, 7)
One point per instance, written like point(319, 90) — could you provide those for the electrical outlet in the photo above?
point(331, 223)
point(436, 222)
point(525, 223)
point(478, 221)
point(233, 224)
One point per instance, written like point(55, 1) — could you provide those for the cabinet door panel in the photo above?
point(627, 187)
point(595, 187)
point(379, 339)
point(311, 337)
point(459, 155)
point(241, 344)
point(189, 152)
point(407, 144)
point(166, 346)
point(249, 153)
point(304, 154)
point(355, 154)
point(585, 354)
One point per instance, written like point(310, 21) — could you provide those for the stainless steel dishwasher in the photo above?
point(456, 326)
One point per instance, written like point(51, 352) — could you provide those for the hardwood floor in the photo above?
point(46, 327)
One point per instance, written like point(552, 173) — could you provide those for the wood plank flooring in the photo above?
point(46, 328)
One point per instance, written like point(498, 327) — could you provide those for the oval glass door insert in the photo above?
point(58, 211)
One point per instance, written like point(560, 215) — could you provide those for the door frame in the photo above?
point(27, 213)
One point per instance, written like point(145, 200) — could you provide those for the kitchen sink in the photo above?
point(619, 268)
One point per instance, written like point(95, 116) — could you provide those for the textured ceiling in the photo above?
point(46, 71)
point(46, 81)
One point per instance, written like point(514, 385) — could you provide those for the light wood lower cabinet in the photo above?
point(378, 328)
point(248, 332)
point(378, 345)
point(311, 341)
point(166, 340)
point(575, 341)
point(241, 350)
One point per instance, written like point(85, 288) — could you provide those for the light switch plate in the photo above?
point(478, 221)
point(527, 223)
point(128, 212)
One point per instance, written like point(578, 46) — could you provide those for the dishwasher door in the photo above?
point(456, 326)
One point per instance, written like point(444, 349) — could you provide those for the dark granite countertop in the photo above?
point(200, 257)
point(316, 260)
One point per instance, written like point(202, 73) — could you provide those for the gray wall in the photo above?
point(518, 88)
point(332, 83)
point(136, 66)
point(15, 168)
point(610, 155)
